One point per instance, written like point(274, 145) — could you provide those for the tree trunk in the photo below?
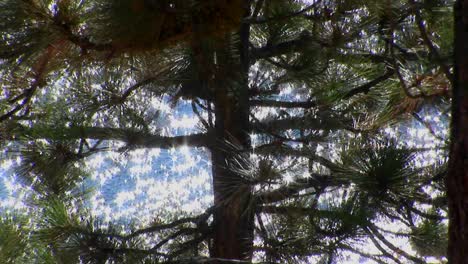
point(233, 217)
point(457, 178)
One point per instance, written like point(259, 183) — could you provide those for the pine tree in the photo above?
point(302, 107)
point(456, 178)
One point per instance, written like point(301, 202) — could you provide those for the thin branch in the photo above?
point(39, 72)
point(305, 122)
point(183, 231)
point(194, 104)
point(363, 254)
point(257, 8)
point(382, 249)
point(205, 260)
point(189, 244)
point(83, 42)
point(134, 87)
point(282, 104)
point(254, 20)
point(427, 41)
point(300, 44)
point(196, 219)
point(122, 251)
point(365, 88)
point(283, 150)
point(428, 126)
point(373, 230)
point(317, 181)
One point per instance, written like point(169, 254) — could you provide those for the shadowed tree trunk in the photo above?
point(457, 179)
point(233, 217)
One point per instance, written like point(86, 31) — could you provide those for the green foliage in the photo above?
point(13, 239)
point(51, 169)
point(430, 238)
point(322, 89)
point(380, 169)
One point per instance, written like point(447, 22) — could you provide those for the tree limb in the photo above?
point(262, 20)
point(282, 104)
point(373, 230)
point(302, 43)
point(427, 41)
point(132, 137)
point(196, 219)
point(365, 88)
point(316, 181)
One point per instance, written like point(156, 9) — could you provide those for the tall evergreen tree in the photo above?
point(457, 176)
point(300, 104)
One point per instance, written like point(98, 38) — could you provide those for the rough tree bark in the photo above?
point(233, 218)
point(457, 178)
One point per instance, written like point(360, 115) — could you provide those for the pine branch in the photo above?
point(433, 51)
point(316, 181)
point(301, 44)
point(428, 126)
point(83, 42)
point(134, 87)
point(39, 72)
point(366, 255)
point(180, 232)
point(280, 139)
point(365, 88)
point(263, 20)
point(188, 245)
point(306, 211)
point(132, 137)
point(359, 58)
point(301, 122)
point(383, 250)
point(282, 104)
point(373, 231)
point(206, 260)
point(196, 220)
point(283, 150)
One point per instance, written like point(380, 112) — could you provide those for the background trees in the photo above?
point(303, 108)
